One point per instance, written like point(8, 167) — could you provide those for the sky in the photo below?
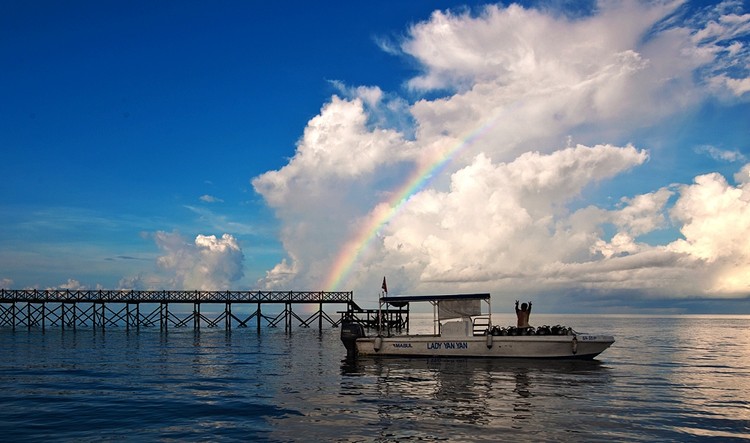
point(590, 156)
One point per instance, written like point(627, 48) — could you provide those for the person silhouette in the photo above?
point(523, 315)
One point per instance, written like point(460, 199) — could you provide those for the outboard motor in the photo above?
point(350, 332)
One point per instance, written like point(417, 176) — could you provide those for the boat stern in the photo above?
point(350, 332)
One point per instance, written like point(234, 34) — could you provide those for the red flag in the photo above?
point(385, 287)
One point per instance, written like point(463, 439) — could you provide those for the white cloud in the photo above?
point(738, 86)
point(720, 154)
point(712, 258)
point(281, 274)
point(342, 167)
point(639, 215)
point(515, 46)
point(383, 111)
point(643, 213)
point(210, 199)
point(499, 214)
point(209, 263)
point(715, 218)
point(530, 78)
point(502, 219)
point(71, 284)
point(337, 147)
point(743, 177)
point(718, 33)
point(6, 283)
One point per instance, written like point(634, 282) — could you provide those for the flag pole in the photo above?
point(383, 293)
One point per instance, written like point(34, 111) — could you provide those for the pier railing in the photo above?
point(167, 296)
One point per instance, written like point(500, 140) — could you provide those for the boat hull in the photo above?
point(582, 346)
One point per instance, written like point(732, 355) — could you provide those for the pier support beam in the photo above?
point(228, 316)
point(163, 316)
point(196, 316)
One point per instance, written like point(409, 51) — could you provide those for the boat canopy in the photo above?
point(403, 299)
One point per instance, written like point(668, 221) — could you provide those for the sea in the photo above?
point(666, 378)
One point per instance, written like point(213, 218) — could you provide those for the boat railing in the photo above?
point(481, 325)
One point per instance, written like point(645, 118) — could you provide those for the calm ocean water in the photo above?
point(665, 379)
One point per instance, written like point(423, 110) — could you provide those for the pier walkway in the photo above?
point(71, 309)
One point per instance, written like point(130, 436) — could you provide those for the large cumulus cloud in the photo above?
point(209, 263)
point(505, 211)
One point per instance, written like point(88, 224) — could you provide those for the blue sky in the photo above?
point(232, 145)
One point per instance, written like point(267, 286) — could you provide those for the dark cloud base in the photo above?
point(632, 302)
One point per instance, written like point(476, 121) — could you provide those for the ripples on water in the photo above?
point(665, 379)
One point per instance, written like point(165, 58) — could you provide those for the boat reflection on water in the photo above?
point(361, 365)
point(502, 394)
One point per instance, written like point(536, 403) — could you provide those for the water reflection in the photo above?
point(470, 393)
point(461, 366)
point(666, 379)
point(522, 405)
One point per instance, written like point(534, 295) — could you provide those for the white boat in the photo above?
point(462, 330)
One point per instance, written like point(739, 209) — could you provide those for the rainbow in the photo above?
point(386, 211)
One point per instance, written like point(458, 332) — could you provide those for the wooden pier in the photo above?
point(71, 309)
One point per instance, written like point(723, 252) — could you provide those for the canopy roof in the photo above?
point(402, 299)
